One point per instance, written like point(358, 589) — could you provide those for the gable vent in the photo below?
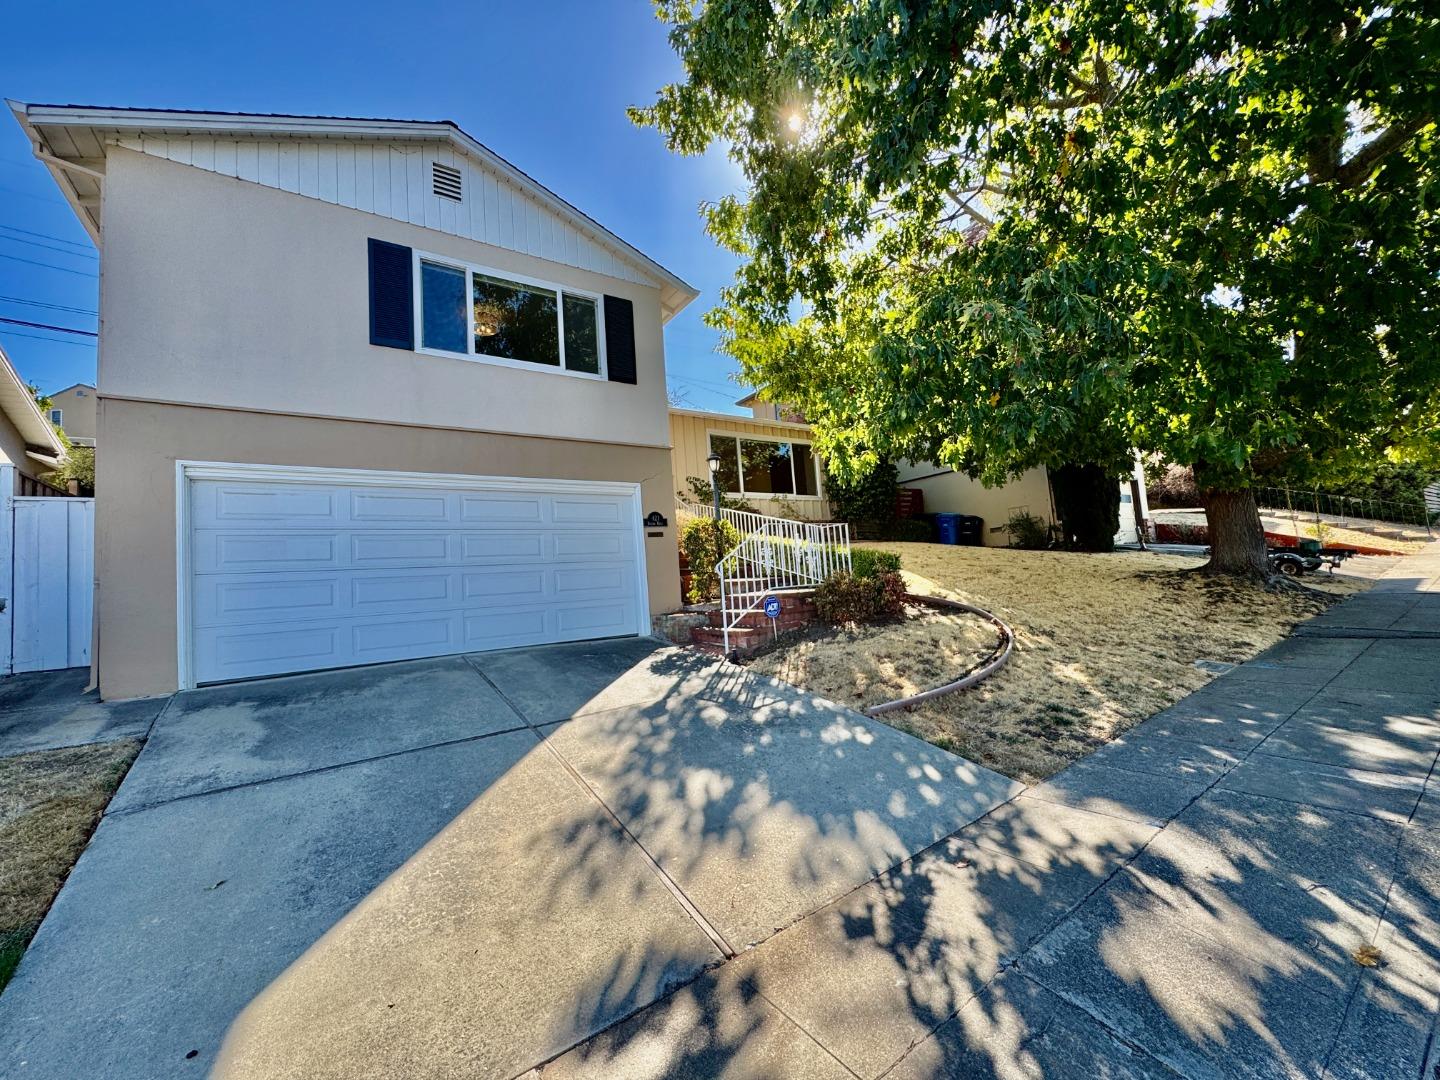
point(445, 181)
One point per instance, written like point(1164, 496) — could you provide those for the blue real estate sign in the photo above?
point(772, 607)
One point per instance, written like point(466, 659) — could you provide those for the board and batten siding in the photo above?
point(690, 446)
point(393, 180)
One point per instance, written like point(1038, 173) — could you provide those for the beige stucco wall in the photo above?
point(955, 493)
point(690, 442)
point(135, 548)
point(12, 452)
point(78, 407)
point(219, 291)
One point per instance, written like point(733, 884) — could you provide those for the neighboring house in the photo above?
point(74, 410)
point(947, 491)
point(768, 410)
point(29, 446)
point(767, 462)
point(367, 392)
point(950, 492)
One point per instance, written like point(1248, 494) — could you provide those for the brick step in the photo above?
point(714, 635)
point(791, 618)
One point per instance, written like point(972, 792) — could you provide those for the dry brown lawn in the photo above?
point(1102, 642)
point(49, 803)
point(863, 666)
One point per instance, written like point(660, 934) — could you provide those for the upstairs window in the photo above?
point(476, 312)
point(57, 416)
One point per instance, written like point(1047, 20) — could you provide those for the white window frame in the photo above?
point(561, 291)
point(57, 417)
point(740, 472)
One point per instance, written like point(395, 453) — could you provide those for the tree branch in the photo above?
point(1363, 161)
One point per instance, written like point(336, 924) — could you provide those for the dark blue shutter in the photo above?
point(392, 295)
point(620, 339)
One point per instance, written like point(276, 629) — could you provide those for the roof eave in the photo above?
point(676, 293)
point(19, 405)
point(62, 179)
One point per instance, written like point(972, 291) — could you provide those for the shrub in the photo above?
point(1172, 533)
point(1028, 531)
point(845, 598)
point(908, 531)
point(870, 498)
point(704, 542)
point(1171, 488)
point(867, 562)
point(1087, 502)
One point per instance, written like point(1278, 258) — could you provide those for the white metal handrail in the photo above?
point(774, 555)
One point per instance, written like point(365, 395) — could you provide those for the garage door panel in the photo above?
point(503, 629)
point(403, 592)
point(481, 508)
point(401, 549)
point(592, 545)
point(369, 574)
point(238, 600)
point(511, 584)
point(571, 510)
point(572, 584)
point(594, 620)
point(406, 636)
point(213, 551)
point(410, 508)
point(506, 547)
point(242, 504)
point(242, 653)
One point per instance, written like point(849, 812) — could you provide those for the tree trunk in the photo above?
point(1237, 539)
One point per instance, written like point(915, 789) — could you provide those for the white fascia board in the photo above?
point(740, 418)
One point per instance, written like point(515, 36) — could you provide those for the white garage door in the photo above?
point(297, 575)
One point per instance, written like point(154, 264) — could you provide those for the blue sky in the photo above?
point(543, 83)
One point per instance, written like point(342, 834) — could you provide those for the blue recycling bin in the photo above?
point(949, 527)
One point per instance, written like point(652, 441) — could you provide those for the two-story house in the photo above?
point(74, 410)
point(367, 392)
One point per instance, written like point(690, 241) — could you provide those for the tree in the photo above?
point(1028, 233)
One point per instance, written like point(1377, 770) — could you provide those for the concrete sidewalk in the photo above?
point(1188, 902)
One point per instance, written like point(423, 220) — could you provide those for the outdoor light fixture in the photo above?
point(714, 462)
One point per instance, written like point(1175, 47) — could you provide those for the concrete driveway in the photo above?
point(461, 867)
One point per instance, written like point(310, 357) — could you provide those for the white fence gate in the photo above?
point(48, 580)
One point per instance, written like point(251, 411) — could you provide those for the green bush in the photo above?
point(869, 499)
point(1028, 531)
point(867, 562)
point(704, 542)
point(845, 598)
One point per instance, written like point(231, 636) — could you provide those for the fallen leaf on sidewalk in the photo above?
point(1366, 956)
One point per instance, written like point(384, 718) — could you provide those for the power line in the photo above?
point(48, 247)
point(48, 326)
point(46, 236)
point(52, 307)
point(52, 340)
point(32, 195)
point(48, 266)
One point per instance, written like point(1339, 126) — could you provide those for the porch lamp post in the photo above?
point(714, 462)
